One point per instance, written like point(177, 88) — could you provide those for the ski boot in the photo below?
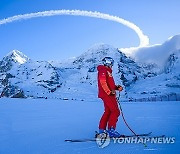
point(102, 136)
point(102, 132)
point(113, 133)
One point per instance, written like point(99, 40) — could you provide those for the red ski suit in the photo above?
point(105, 85)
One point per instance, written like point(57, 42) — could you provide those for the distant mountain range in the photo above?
point(149, 72)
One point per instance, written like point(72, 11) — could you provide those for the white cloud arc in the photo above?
point(144, 40)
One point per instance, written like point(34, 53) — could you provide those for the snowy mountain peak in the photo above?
point(100, 46)
point(13, 58)
point(175, 38)
point(94, 55)
point(17, 57)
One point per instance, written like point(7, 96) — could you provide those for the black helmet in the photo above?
point(108, 61)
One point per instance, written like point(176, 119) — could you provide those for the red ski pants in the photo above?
point(111, 113)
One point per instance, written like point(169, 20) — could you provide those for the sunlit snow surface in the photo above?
point(18, 56)
point(41, 126)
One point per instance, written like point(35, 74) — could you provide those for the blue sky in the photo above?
point(61, 37)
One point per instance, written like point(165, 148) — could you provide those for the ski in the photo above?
point(138, 135)
point(93, 140)
point(80, 140)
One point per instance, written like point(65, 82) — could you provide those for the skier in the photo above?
point(106, 91)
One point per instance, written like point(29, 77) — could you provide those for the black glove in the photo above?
point(119, 87)
point(113, 92)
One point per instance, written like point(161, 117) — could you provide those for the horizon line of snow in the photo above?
point(144, 40)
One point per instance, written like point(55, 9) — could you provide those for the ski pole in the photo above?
point(125, 119)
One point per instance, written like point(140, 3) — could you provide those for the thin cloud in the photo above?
point(144, 40)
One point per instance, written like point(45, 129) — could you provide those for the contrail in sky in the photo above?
point(144, 40)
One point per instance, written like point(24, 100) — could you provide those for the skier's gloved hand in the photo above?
point(113, 92)
point(119, 87)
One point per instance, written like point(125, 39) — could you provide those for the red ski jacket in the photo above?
point(105, 81)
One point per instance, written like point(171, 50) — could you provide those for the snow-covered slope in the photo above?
point(146, 74)
point(34, 126)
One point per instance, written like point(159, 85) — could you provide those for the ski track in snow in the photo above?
point(41, 126)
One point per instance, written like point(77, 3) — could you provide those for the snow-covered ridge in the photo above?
point(141, 76)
